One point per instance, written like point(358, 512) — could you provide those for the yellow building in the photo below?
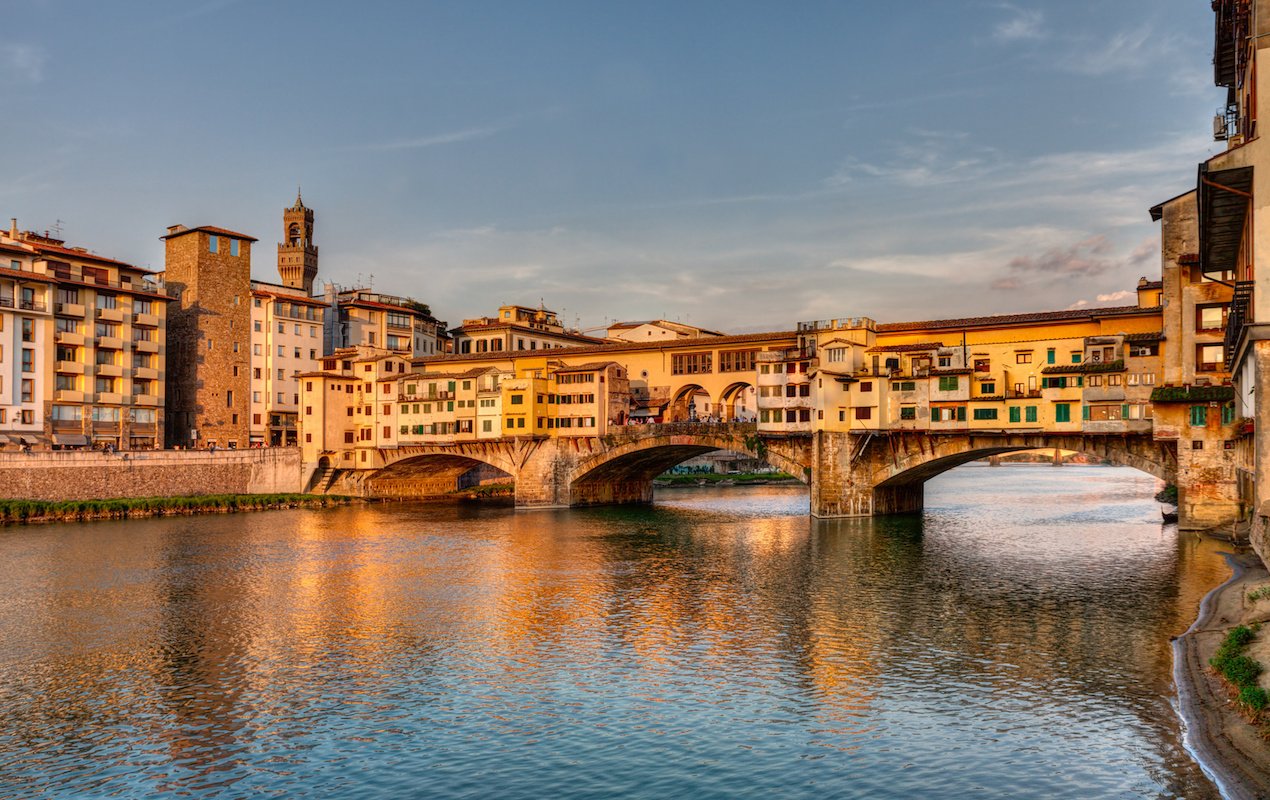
point(82, 362)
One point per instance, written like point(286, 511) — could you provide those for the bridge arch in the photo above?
point(423, 471)
point(737, 399)
point(888, 473)
point(624, 473)
point(688, 401)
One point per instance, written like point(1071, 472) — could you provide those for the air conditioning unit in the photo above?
point(1220, 131)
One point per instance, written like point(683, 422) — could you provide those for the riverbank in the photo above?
point(716, 479)
point(1232, 749)
point(26, 512)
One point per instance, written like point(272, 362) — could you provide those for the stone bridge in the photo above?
point(849, 474)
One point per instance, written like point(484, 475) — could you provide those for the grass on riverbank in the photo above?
point(1239, 670)
point(693, 479)
point(124, 508)
point(486, 490)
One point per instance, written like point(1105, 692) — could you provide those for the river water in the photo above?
point(721, 644)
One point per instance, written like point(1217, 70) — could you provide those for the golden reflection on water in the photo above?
point(203, 653)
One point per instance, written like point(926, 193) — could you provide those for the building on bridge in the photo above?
point(517, 328)
point(849, 403)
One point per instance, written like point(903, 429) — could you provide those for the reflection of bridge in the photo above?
point(849, 474)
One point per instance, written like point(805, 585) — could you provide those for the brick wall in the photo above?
point(78, 475)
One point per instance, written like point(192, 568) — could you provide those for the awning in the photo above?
point(1224, 198)
point(70, 439)
point(28, 440)
point(4, 439)
point(105, 437)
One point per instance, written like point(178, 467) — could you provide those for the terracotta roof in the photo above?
point(960, 371)
point(1188, 259)
point(475, 372)
point(295, 298)
point(781, 338)
point(500, 325)
point(1154, 336)
point(1151, 285)
point(82, 255)
point(211, 229)
point(1015, 319)
point(593, 366)
point(27, 276)
point(1085, 368)
point(906, 348)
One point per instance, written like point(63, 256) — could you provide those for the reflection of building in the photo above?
point(516, 328)
point(86, 339)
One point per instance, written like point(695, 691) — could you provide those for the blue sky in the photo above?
point(735, 165)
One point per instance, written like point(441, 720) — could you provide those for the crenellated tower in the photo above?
point(297, 255)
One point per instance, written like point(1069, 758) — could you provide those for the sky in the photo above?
point(735, 165)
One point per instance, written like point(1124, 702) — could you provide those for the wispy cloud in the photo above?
point(1126, 52)
point(1022, 24)
point(433, 140)
point(23, 62)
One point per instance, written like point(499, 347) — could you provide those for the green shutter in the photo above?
point(1124, 411)
point(1062, 412)
point(1080, 380)
point(961, 413)
point(1049, 356)
point(1031, 413)
point(1084, 412)
point(1199, 415)
point(1015, 415)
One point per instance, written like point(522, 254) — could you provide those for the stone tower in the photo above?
point(297, 255)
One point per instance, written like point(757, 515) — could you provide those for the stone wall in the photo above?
point(80, 475)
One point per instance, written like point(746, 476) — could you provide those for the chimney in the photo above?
point(13, 227)
point(175, 229)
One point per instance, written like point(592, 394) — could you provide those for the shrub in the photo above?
point(1253, 698)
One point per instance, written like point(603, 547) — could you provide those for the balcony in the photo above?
point(69, 367)
point(67, 337)
point(1239, 317)
point(146, 320)
point(146, 400)
point(110, 398)
point(110, 370)
point(109, 314)
point(145, 373)
point(109, 343)
point(68, 396)
point(69, 309)
point(142, 346)
point(24, 305)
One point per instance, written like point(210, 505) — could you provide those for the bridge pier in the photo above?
point(842, 480)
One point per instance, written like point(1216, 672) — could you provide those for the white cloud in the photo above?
point(1113, 297)
point(24, 62)
point(1024, 24)
point(452, 137)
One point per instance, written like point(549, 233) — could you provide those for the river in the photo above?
point(1013, 642)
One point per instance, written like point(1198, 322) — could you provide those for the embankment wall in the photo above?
point(78, 475)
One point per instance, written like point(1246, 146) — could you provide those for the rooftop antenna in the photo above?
point(370, 281)
point(57, 228)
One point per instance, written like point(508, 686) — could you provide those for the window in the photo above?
point(945, 361)
point(740, 360)
point(256, 350)
point(1199, 416)
point(229, 398)
point(518, 399)
point(1228, 414)
point(64, 325)
point(908, 412)
point(690, 363)
point(107, 301)
point(1022, 358)
point(1210, 317)
point(233, 247)
point(1016, 414)
point(866, 386)
point(28, 360)
point(949, 383)
point(1050, 356)
point(1208, 357)
point(904, 386)
point(985, 413)
point(987, 388)
point(1076, 358)
point(863, 412)
point(28, 330)
point(213, 244)
point(1029, 414)
point(1115, 380)
point(837, 354)
point(1062, 412)
point(66, 413)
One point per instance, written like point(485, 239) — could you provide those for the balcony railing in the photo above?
point(1239, 317)
point(25, 305)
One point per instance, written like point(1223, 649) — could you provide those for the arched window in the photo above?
point(293, 234)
